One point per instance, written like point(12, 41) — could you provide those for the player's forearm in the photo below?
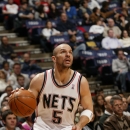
point(83, 121)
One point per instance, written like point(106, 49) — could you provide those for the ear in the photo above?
point(53, 59)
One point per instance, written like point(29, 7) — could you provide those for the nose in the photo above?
point(68, 54)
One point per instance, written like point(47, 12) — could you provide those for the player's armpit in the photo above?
point(36, 84)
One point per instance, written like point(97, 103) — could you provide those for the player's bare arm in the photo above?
point(86, 102)
point(36, 84)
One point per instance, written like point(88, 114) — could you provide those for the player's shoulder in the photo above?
point(39, 77)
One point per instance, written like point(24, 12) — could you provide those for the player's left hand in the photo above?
point(76, 127)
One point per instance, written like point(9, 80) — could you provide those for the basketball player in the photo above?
point(60, 90)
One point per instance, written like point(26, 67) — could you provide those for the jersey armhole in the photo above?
point(43, 84)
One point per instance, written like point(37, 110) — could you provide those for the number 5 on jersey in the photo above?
point(56, 118)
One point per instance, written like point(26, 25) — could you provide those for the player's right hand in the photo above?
point(76, 127)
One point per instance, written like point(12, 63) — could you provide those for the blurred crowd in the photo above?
point(100, 23)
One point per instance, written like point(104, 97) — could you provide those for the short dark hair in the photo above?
point(19, 76)
point(99, 89)
point(4, 100)
point(9, 86)
point(13, 56)
point(119, 51)
point(95, 10)
point(2, 38)
point(66, 1)
point(105, 4)
point(6, 113)
point(5, 62)
point(16, 64)
point(109, 30)
point(115, 97)
point(71, 36)
point(83, 2)
point(23, 3)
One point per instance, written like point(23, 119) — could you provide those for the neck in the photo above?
point(62, 75)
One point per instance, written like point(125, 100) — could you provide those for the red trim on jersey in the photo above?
point(78, 86)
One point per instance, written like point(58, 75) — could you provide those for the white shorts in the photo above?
point(40, 125)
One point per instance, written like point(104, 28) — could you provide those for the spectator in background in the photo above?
point(111, 25)
point(98, 28)
point(99, 91)
point(10, 121)
point(40, 14)
point(76, 3)
point(121, 65)
point(84, 11)
point(24, 13)
point(3, 83)
point(106, 11)
point(121, 21)
point(4, 103)
point(6, 69)
point(54, 12)
point(125, 107)
point(108, 110)
point(45, 4)
point(117, 121)
point(3, 108)
point(92, 4)
point(7, 92)
point(65, 26)
point(69, 10)
point(76, 46)
point(5, 49)
point(96, 15)
point(10, 11)
point(125, 39)
point(89, 42)
point(111, 42)
point(13, 59)
point(20, 82)
point(49, 31)
point(16, 72)
point(29, 67)
point(99, 106)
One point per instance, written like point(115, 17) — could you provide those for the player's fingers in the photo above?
point(13, 91)
point(22, 88)
point(74, 127)
point(16, 89)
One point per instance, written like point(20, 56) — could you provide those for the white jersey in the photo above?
point(57, 103)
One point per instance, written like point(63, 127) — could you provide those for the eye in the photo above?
point(70, 52)
point(62, 51)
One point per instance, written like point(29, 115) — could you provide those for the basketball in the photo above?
point(22, 103)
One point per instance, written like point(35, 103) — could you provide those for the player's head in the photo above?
point(9, 119)
point(62, 56)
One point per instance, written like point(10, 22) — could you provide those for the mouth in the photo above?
point(67, 60)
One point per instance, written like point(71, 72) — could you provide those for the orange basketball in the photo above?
point(22, 103)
